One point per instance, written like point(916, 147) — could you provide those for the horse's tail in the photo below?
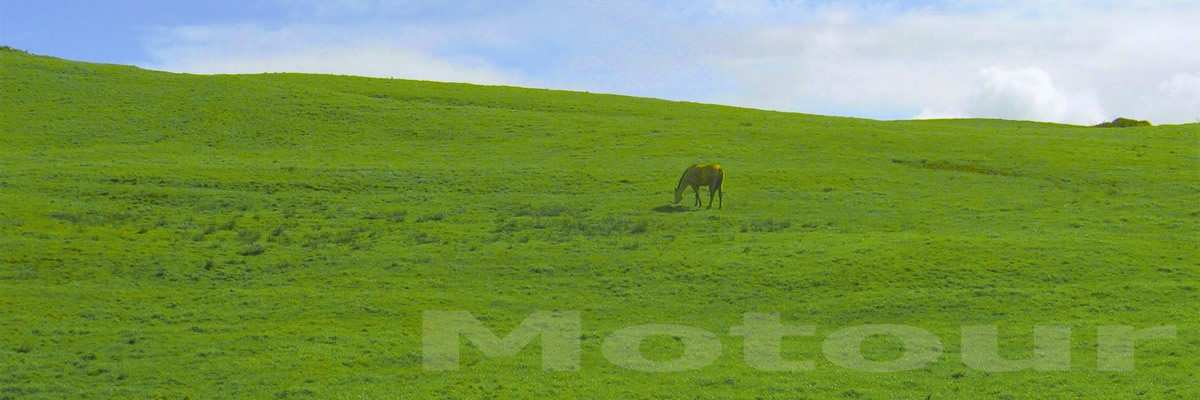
point(720, 178)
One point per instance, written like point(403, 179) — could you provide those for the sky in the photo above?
point(1067, 61)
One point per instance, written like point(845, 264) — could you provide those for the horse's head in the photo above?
point(678, 195)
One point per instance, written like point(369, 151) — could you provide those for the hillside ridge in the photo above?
point(466, 85)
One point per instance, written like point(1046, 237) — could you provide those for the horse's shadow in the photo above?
point(671, 209)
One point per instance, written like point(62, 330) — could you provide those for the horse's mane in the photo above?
point(682, 177)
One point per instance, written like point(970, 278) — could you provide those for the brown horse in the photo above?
point(699, 175)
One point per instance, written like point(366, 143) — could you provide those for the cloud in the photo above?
point(1074, 62)
point(1030, 93)
point(1070, 61)
point(314, 49)
point(1180, 95)
point(1023, 93)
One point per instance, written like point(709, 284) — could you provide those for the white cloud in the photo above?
point(1078, 63)
point(1180, 96)
point(1069, 61)
point(313, 49)
point(1023, 93)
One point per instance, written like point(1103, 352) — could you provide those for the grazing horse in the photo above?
point(699, 175)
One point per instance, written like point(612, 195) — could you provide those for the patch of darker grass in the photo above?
point(248, 236)
point(393, 215)
point(252, 250)
point(526, 210)
point(424, 238)
point(438, 216)
point(565, 227)
point(92, 218)
point(766, 225)
point(966, 167)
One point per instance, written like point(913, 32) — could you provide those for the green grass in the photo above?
point(279, 235)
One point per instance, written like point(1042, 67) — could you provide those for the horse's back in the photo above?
point(706, 174)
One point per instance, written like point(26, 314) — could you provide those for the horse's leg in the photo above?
point(720, 198)
point(696, 190)
point(711, 191)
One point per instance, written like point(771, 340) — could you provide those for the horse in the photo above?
point(699, 175)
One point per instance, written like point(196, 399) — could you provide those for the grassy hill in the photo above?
point(279, 236)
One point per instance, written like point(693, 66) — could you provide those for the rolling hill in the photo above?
point(281, 235)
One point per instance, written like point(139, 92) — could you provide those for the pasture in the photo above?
point(280, 235)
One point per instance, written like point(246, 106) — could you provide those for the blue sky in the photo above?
point(1065, 61)
point(112, 31)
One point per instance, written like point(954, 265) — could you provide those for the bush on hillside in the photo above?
point(1123, 123)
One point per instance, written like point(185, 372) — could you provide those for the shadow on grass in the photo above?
point(672, 209)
